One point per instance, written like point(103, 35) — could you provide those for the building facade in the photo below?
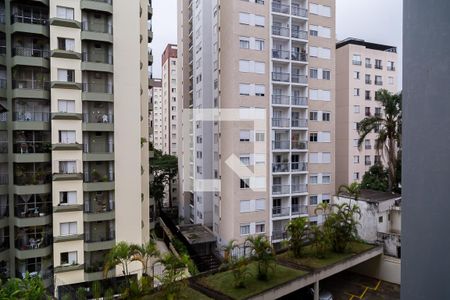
point(155, 114)
point(275, 58)
point(363, 68)
point(72, 79)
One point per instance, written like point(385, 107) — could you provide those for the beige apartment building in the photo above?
point(253, 58)
point(155, 114)
point(362, 68)
point(74, 176)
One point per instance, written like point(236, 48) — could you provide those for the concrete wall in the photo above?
point(383, 267)
point(426, 152)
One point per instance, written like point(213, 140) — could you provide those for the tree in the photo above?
point(164, 169)
point(376, 179)
point(144, 254)
point(119, 255)
point(174, 271)
point(341, 226)
point(96, 289)
point(297, 229)
point(30, 287)
point(353, 191)
point(262, 252)
point(389, 134)
point(240, 271)
point(319, 240)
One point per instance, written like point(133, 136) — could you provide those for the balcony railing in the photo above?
point(299, 123)
point(100, 28)
point(379, 67)
point(98, 177)
point(2, 18)
point(280, 145)
point(97, 209)
point(280, 167)
point(299, 34)
point(97, 88)
point(30, 84)
point(33, 210)
point(279, 211)
point(299, 12)
point(98, 117)
point(280, 8)
point(298, 56)
point(107, 147)
point(32, 178)
point(2, 83)
point(299, 188)
point(357, 62)
point(29, 242)
point(280, 54)
point(279, 76)
point(280, 99)
point(299, 79)
point(279, 235)
point(31, 116)
point(280, 30)
point(299, 101)
point(369, 66)
point(31, 147)
point(390, 68)
point(30, 52)
point(279, 189)
point(299, 167)
point(103, 59)
point(378, 82)
point(280, 122)
point(29, 20)
point(3, 147)
point(298, 209)
point(4, 179)
point(368, 81)
point(299, 145)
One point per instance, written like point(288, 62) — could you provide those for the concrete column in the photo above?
point(316, 290)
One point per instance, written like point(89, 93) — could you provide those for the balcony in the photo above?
point(97, 32)
point(4, 179)
point(31, 174)
point(279, 211)
point(299, 167)
point(301, 79)
point(356, 62)
point(280, 122)
point(280, 54)
point(299, 12)
point(31, 89)
point(30, 239)
point(278, 189)
point(279, 235)
point(299, 123)
point(67, 171)
point(280, 31)
point(99, 236)
point(31, 24)
point(299, 145)
point(278, 7)
point(98, 151)
point(299, 188)
point(280, 77)
point(368, 81)
point(280, 145)
point(33, 213)
point(280, 100)
point(298, 209)
point(280, 167)
point(31, 116)
point(299, 34)
point(97, 63)
point(97, 91)
point(299, 101)
point(97, 5)
point(299, 56)
point(98, 121)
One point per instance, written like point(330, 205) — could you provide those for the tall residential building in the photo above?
point(72, 75)
point(362, 68)
point(271, 57)
point(155, 114)
point(169, 100)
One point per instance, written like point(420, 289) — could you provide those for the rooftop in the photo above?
point(360, 42)
point(376, 196)
point(197, 234)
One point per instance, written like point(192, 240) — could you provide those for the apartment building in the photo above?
point(155, 114)
point(275, 58)
point(363, 68)
point(72, 78)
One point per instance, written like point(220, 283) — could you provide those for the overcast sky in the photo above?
point(378, 21)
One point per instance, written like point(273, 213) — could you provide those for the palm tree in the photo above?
point(389, 128)
point(297, 229)
point(228, 251)
point(144, 253)
point(341, 226)
point(119, 255)
point(174, 272)
point(353, 191)
point(262, 252)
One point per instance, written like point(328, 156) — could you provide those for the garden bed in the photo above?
point(223, 282)
point(187, 293)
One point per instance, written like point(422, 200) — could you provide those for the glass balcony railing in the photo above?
point(298, 209)
point(280, 76)
point(280, 145)
point(32, 116)
point(280, 30)
point(32, 147)
point(279, 211)
point(106, 88)
point(98, 117)
point(299, 188)
point(278, 189)
point(280, 99)
point(280, 167)
point(31, 84)
point(30, 52)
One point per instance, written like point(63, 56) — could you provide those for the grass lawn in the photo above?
point(309, 259)
point(224, 282)
point(187, 294)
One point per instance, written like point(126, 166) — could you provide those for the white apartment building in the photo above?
point(363, 68)
point(155, 114)
point(270, 57)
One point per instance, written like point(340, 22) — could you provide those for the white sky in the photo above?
point(378, 21)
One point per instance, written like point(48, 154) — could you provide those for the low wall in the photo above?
point(383, 267)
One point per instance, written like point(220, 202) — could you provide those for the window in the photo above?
point(380, 219)
point(68, 228)
point(326, 179)
point(326, 198)
point(260, 90)
point(391, 80)
point(368, 96)
point(66, 44)
point(244, 43)
point(314, 179)
point(324, 137)
point(313, 115)
point(326, 157)
point(245, 206)
point(378, 64)
point(244, 183)
point(313, 200)
point(259, 45)
point(69, 258)
point(326, 74)
point(313, 74)
point(65, 12)
point(356, 92)
point(368, 64)
point(68, 167)
point(260, 67)
point(67, 137)
point(367, 78)
point(356, 159)
point(356, 75)
point(326, 116)
point(367, 160)
point(244, 89)
point(356, 109)
point(320, 10)
point(355, 143)
point(313, 30)
point(244, 18)
point(260, 228)
point(67, 198)
point(356, 60)
point(313, 137)
point(367, 112)
point(66, 75)
point(378, 80)
point(244, 136)
point(245, 229)
point(66, 106)
point(245, 160)
point(356, 176)
point(260, 21)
